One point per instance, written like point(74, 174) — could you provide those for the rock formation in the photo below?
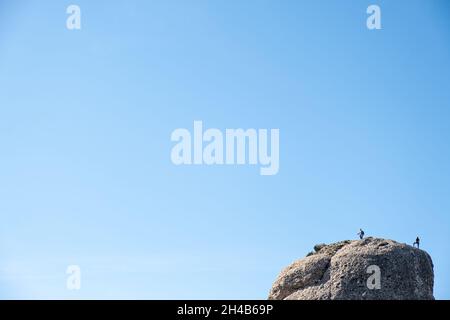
point(368, 269)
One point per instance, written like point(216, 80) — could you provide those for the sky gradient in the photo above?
point(86, 118)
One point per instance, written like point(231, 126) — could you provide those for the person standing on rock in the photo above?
point(417, 242)
point(361, 233)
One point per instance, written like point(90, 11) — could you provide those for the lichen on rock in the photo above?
point(339, 271)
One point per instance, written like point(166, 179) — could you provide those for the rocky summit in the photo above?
point(367, 269)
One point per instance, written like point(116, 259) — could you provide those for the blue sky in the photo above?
point(86, 118)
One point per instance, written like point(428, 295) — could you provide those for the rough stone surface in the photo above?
point(339, 271)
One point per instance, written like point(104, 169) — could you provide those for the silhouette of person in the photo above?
point(361, 233)
point(417, 242)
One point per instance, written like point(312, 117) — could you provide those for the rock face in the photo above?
point(368, 269)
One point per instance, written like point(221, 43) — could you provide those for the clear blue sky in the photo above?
point(86, 118)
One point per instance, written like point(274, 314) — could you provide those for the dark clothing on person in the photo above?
point(361, 234)
point(417, 242)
